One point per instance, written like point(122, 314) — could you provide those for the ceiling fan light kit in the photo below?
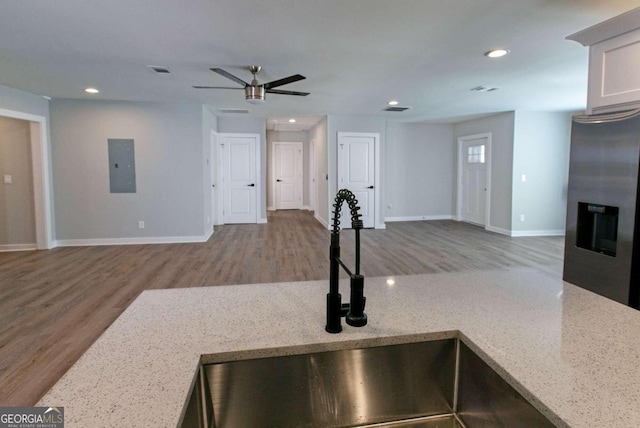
point(254, 94)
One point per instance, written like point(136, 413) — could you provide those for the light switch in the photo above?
point(8, 179)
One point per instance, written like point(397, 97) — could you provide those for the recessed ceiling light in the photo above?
point(292, 121)
point(497, 53)
point(393, 103)
point(92, 90)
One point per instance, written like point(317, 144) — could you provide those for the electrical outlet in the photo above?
point(522, 217)
point(141, 224)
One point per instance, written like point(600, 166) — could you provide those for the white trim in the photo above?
point(520, 233)
point(306, 208)
point(213, 178)
point(262, 221)
point(320, 220)
point(488, 155)
point(499, 230)
point(420, 218)
point(271, 208)
point(40, 159)
point(313, 188)
point(5, 248)
point(134, 241)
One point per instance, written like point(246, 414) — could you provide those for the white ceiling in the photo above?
point(356, 54)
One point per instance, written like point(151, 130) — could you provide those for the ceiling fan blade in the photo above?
point(213, 87)
point(284, 81)
point(278, 91)
point(229, 76)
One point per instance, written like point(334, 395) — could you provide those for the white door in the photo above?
point(239, 178)
point(288, 175)
point(356, 172)
point(473, 180)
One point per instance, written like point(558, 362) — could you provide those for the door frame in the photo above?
point(40, 160)
point(272, 171)
point(213, 177)
point(220, 180)
point(377, 216)
point(313, 189)
point(488, 153)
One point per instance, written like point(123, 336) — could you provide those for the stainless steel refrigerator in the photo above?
point(602, 243)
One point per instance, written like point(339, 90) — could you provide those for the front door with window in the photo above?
point(474, 185)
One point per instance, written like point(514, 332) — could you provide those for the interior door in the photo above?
point(474, 181)
point(356, 172)
point(288, 174)
point(239, 178)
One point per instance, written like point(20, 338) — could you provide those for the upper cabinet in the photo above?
point(614, 63)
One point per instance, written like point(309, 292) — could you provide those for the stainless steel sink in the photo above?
point(424, 384)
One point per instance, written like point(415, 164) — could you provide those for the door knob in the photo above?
point(278, 180)
point(251, 185)
point(370, 187)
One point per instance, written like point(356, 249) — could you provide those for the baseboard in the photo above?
point(519, 233)
point(420, 218)
point(499, 230)
point(306, 208)
point(271, 208)
point(17, 247)
point(321, 221)
point(133, 241)
point(208, 236)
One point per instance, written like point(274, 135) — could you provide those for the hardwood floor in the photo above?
point(54, 304)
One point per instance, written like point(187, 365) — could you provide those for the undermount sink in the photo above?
point(440, 383)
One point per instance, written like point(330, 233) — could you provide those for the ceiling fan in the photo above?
point(254, 92)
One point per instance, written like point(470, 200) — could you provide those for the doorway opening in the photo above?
point(40, 161)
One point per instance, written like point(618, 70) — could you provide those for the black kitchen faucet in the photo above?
point(353, 311)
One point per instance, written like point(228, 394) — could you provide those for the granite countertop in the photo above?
point(573, 354)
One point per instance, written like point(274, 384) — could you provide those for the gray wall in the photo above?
point(368, 124)
point(288, 137)
point(501, 127)
point(420, 170)
point(319, 135)
point(251, 125)
point(541, 153)
point(17, 214)
point(169, 169)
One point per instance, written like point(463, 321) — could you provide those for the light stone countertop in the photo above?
point(574, 355)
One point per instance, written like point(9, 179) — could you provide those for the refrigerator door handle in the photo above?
point(606, 118)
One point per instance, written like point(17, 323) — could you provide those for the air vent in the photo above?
point(484, 89)
point(233, 110)
point(159, 69)
point(396, 108)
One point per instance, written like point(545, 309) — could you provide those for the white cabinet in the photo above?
point(614, 63)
